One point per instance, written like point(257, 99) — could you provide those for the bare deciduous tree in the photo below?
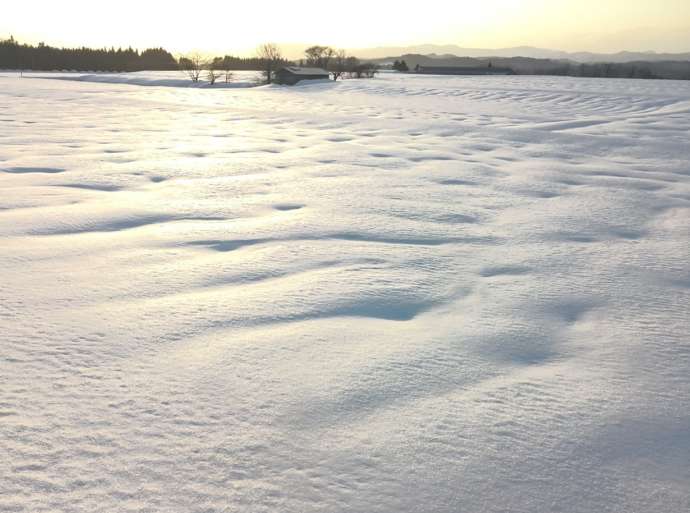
point(193, 64)
point(319, 56)
point(339, 64)
point(313, 55)
point(326, 57)
point(224, 64)
point(371, 70)
point(212, 71)
point(366, 70)
point(227, 72)
point(271, 56)
point(350, 66)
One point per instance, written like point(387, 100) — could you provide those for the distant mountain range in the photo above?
point(669, 69)
point(451, 51)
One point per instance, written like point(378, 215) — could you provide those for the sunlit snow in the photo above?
point(405, 294)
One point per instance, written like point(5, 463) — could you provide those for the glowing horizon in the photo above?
point(220, 27)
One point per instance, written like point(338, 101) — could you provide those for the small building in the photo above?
point(463, 70)
point(290, 75)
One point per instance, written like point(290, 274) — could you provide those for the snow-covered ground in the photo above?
point(407, 294)
point(150, 78)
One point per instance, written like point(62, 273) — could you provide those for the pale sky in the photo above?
point(238, 27)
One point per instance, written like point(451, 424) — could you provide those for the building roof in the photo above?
point(296, 70)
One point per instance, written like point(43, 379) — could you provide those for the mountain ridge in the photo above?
point(672, 69)
point(517, 51)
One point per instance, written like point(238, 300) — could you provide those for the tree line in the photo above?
point(401, 66)
point(42, 57)
point(338, 63)
point(679, 70)
point(642, 69)
point(268, 59)
point(606, 70)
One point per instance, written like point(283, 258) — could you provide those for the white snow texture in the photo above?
point(406, 294)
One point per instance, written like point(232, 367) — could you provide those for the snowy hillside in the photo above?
point(407, 294)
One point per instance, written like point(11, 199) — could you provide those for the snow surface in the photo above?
point(151, 78)
point(407, 294)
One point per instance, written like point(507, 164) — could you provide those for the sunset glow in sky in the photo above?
point(237, 27)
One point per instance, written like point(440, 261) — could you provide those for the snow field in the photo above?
point(411, 293)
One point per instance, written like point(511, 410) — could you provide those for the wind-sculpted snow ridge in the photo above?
point(404, 294)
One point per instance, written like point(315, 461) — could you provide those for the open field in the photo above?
point(406, 294)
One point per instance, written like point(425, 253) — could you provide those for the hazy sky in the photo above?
point(224, 25)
